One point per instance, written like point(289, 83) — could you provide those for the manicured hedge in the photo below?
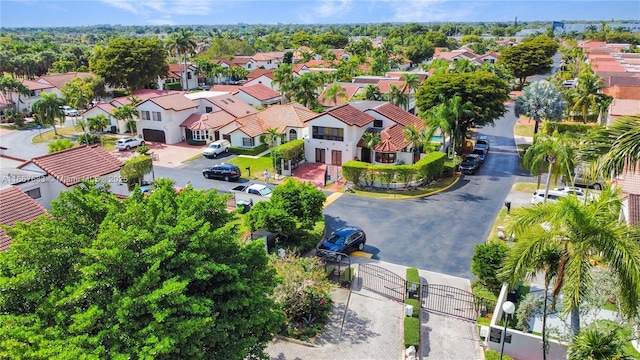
point(549, 127)
point(173, 86)
point(428, 168)
point(196, 142)
point(411, 332)
point(293, 150)
point(416, 307)
point(413, 275)
point(248, 151)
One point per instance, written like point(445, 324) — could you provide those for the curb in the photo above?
point(427, 194)
point(296, 341)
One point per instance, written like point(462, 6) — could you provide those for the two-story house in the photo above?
point(160, 117)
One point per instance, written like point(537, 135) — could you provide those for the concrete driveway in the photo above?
point(165, 155)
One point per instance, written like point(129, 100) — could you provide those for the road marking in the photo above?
point(331, 198)
point(362, 254)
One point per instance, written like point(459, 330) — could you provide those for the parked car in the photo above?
point(470, 164)
point(226, 172)
point(128, 143)
point(553, 195)
point(481, 152)
point(581, 177)
point(572, 190)
point(215, 148)
point(343, 240)
point(69, 111)
point(482, 142)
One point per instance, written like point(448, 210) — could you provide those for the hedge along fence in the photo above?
point(293, 150)
point(426, 169)
point(248, 151)
point(549, 127)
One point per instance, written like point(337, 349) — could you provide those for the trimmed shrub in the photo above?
point(431, 166)
point(293, 150)
point(413, 275)
point(411, 332)
point(88, 139)
point(355, 171)
point(248, 151)
point(196, 142)
point(120, 93)
point(549, 127)
point(494, 355)
point(486, 263)
point(173, 86)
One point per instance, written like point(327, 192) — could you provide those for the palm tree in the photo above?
point(372, 92)
point(370, 140)
point(463, 65)
point(397, 97)
point(436, 118)
point(81, 124)
point(183, 43)
point(48, 110)
point(616, 146)
point(335, 92)
point(305, 91)
point(127, 113)
point(9, 84)
point(540, 100)
point(558, 150)
point(412, 80)
point(284, 78)
point(416, 136)
point(97, 123)
point(456, 109)
point(596, 343)
point(580, 229)
point(586, 96)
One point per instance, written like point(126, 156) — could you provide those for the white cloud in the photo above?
point(154, 8)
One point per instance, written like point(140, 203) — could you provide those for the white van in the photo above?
point(216, 147)
point(553, 195)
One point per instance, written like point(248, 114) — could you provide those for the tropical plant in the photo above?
point(540, 101)
point(97, 123)
point(437, 118)
point(579, 229)
point(182, 43)
point(616, 146)
point(372, 92)
point(127, 113)
point(557, 150)
point(598, 343)
point(334, 92)
point(415, 136)
point(370, 140)
point(457, 110)
point(271, 138)
point(412, 80)
point(60, 144)
point(48, 110)
point(586, 96)
point(9, 84)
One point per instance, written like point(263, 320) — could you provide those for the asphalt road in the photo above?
point(438, 233)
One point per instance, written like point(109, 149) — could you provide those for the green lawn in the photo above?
point(257, 166)
point(46, 136)
point(524, 130)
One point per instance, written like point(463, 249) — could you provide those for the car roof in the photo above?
point(482, 150)
point(483, 137)
point(347, 230)
point(472, 156)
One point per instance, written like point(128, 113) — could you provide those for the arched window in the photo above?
point(293, 135)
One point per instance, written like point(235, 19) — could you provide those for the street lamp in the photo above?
point(508, 308)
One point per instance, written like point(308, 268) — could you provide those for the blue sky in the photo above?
point(54, 13)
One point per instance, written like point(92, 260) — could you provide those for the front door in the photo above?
point(320, 156)
point(366, 155)
point(336, 157)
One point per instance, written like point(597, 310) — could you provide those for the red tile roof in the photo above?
point(212, 120)
point(232, 105)
point(229, 88)
point(73, 165)
point(260, 72)
point(350, 91)
point(34, 85)
point(260, 92)
point(350, 115)
point(392, 139)
point(16, 207)
point(176, 102)
point(276, 116)
point(396, 114)
point(385, 86)
point(60, 80)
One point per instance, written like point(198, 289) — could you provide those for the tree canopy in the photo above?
point(486, 91)
point(130, 63)
point(527, 59)
point(159, 276)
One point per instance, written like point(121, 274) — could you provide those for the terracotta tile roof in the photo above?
point(398, 75)
point(264, 57)
point(241, 60)
point(634, 209)
point(392, 139)
point(624, 107)
point(232, 105)
point(176, 102)
point(350, 115)
point(73, 165)
point(34, 85)
point(229, 88)
point(106, 107)
point(59, 80)
point(350, 91)
point(319, 64)
point(275, 116)
point(298, 67)
point(143, 95)
point(260, 72)
point(16, 207)
point(398, 115)
point(623, 80)
point(385, 86)
point(5, 101)
point(213, 120)
point(260, 92)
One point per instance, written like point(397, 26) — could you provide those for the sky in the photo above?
point(57, 13)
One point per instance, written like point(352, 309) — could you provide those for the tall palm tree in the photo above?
point(463, 65)
point(370, 140)
point(183, 43)
point(372, 92)
point(334, 92)
point(97, 123)
point(416, 136)
point(586, 96)
point(9, 84)
point(456, 109)
point(48, 110)
point(397, 97)
point(412, 80)
point(540, 101)
point(271, 138)
point(580, 229)
point(305, 90)
point(436, 118)
point(127, 113)
point(615, 146)
point(558, 150)
point(284, 78)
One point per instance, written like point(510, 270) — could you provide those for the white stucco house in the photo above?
point(178, 73)
point(160, 117)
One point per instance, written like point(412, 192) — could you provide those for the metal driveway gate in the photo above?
point(456, 302)
point(382, 281)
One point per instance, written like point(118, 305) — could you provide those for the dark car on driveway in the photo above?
point(226, 172)
point(470, 164)
point(343, 240)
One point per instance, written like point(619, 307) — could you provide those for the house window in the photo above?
point(248, 142)
point(293, 135)
point(157, 116)
point(248, 66)
point(199, 135)
point(32, 93)
point(145, 115)
point(189, 75)
point(328, 133)
point(208, 109)
point(34, 193)
point(377, 123)
point(385, 158)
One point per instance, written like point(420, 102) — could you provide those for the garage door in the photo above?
point(153, 135)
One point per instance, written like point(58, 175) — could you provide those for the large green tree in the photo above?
point(161, 276)
point(540, 101)
point(580, 229)
point(130, 63)
point(48, 110)
point(486, 91)
point(527, 59)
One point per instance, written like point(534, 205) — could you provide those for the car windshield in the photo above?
point(469, 159)
point(214, 146)
point(266, 191)
point(478, 151)
point(335, 239)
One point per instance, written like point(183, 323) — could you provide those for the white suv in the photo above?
point(553, 195)
point(215, 148)
point(128, 143)
point(69, 111)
